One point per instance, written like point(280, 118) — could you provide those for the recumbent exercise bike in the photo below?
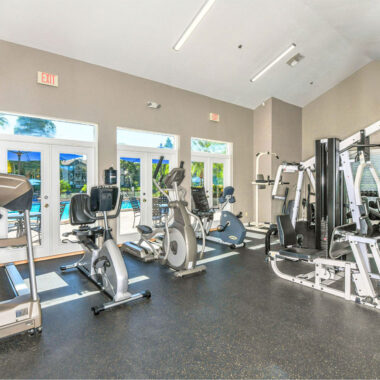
point(230, 230)
point(104, 265)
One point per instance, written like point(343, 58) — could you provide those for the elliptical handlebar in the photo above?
point(158, 167)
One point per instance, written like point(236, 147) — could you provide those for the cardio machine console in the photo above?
point(103, 198)
point(176, 175)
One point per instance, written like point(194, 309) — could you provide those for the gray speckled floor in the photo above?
point(238, 320)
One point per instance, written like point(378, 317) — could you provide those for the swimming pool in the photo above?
point(36, 207)
point(126, 205)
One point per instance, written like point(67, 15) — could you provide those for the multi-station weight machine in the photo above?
point(346, 248)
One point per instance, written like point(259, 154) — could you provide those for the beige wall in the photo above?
point(345, 109)
point(277, 129)
point(262, 142)
point(287, 143)
point(109, 98)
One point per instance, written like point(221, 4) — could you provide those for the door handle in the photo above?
point(46, 205)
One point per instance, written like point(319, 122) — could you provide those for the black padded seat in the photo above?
point(301, 253)
point(144, 230)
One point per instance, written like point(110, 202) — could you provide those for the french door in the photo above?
point(142, 203)
point(212, 173)
point(56, 172)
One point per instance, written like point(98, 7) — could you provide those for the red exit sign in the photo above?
point(214, 117)
point(48, 79)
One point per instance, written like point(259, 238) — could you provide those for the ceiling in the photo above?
point(337, 37)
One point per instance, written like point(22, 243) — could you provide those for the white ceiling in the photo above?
point(337, 37)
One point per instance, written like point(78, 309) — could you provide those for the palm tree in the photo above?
point(32, 126)
point(197, 170)
point(3, 121)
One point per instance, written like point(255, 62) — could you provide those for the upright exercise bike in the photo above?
point(104, 265)
point(178, 248)
point(230, 230)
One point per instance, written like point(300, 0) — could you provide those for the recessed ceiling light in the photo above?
point(197, 19)
point(267, 67)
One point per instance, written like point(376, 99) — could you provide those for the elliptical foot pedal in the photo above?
point(189, 272)
point(97, 309)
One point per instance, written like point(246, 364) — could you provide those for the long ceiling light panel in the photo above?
point(197, 19)
point(266, 68)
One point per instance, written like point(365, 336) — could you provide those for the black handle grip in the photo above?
point(158, 167)
point(181, 165)
point(113, 216)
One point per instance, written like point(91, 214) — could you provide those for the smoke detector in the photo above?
point(153, 105)
point(295, 60)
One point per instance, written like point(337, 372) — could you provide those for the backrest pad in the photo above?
point(286, 231)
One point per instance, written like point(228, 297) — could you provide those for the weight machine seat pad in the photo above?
point(301, 253)
point(144, 230)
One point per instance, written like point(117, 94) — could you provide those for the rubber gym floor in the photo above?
point(237, 320)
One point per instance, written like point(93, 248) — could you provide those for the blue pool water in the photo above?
point(126, 205)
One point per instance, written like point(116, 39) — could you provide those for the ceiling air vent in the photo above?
point(295, 60)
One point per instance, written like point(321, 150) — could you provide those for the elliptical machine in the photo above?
point(104, 265)
point(230, 230)
point(178, 248)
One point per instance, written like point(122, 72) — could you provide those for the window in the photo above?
point(207, 146)
point(145, 139)
point(367, 182)
point(11, 124)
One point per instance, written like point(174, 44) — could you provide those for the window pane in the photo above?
point(146, 139)
point(217, 182)
point(198, 145)
point(197, 174)
point(27, 164)
point(73, 180)
point(32, 126)
point(130, 188)
point(368, 183)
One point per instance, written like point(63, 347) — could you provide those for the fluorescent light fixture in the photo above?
point(266, 68)
point(197, 19)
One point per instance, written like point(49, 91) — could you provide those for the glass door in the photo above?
point(132, 181)
point(72, 173)
point(56, 172)
point(33, 162)
point(219, 170)
point(212, 173)
point(143, 204)
point(159, 203)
